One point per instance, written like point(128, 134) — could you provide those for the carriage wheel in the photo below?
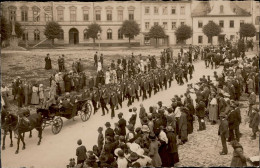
point(57, 125)
point(86, 111)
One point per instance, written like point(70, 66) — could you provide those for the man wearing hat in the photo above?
point(66, 103)
point(104, 99)
point(254, 121)
point(142, 113)
point(132, 119)
point(109, 131)
point(233, 121)
point(113, 102)
point(95, 98)
point(223, 133)
point(121, 124)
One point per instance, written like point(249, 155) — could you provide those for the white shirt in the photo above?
point(163, 137)
point(213, 101)
point(177, 112)
point(144, 161)
point(122, 162)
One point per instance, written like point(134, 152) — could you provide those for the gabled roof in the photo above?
point(204, 8)
point(239, 10)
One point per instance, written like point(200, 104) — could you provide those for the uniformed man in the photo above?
point(113, 103)
point(95, 99)
point(191, 70)
point(104, 100)
point(121, 125)
point(66, 104)
point(119, 95)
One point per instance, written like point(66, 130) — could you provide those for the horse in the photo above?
point(6, 127)
point(8, 121)
point(21, 126)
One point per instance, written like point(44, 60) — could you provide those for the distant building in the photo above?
point(74, 18)
point(228, 14)
point(256, 18)
point(168, 14)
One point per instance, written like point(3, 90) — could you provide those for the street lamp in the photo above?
point(99, 38)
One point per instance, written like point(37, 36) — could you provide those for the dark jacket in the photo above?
point(122, 125)
point(200, 109)
point(223, 128)
point(172, 142)
point(109, 132)
point(233, 119)
point(81, 153)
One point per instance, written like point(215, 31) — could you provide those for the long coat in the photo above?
point(35, 96)
point(213, 110)
point(67, 80)
point(48, 63)
point(183, 128)
point(156, 160)
point(122, 125)
point(173, 156)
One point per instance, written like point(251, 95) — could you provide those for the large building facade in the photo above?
point(169, 14)
point(227, 14)
point(75, 17)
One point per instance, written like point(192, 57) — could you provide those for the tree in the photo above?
point(247, 30)
point(130, 28)
point(93, 30)
point(52, 30)
point(183, 33)
point(5, 29)
point(156, 32)
point(211, 29)
point(18, 29)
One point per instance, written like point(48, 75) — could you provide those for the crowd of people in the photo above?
point(155, 140)
point(162, 129)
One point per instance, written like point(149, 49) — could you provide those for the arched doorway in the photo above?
point(73, 36)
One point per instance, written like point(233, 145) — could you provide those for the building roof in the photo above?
point(204, 8)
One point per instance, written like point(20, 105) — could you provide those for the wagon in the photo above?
point(53, 115)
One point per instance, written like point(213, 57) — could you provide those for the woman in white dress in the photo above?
point(41, 94)
point(99, 67)
point(213, 109)
point(35, 95)
point(53, 90)
point(107, 77)
point(4, 95)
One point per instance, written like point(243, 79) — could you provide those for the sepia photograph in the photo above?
point(118, 84)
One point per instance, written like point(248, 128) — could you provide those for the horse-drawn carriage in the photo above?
point(53, 115)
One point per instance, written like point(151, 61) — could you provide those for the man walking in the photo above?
point(95, 59)
point(223, 133)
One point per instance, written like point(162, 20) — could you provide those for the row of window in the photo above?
point(164, 25)
point(35, 12)
point(221, 23)
point(36, 34)
point(109, 16)
point(200, 39)
point(147, 10)
point(73, 15)
point(120, 35)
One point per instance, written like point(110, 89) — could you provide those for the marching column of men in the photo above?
point(134, 81)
